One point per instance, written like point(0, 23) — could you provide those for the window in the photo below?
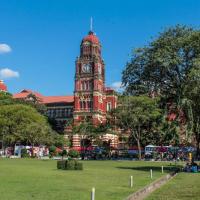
point(109, 106)
point(65, 113)
point(84, 105)
point(53, 113)
point(81, 104)
point(59, 113)
point(48, 113)
point(89, 104)
point(91, 85)
point(87, 85)
point(69, 112)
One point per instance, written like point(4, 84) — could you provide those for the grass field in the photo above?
point(183, 187)
point(27, 179)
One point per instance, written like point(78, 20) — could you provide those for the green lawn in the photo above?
point(183, 187)
point(26, 179)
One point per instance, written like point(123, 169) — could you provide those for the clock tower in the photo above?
point(89, 95)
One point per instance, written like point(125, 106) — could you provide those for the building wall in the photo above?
point(91, 98)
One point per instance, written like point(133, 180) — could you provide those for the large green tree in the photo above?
point(161, 66)
point(138, 115)
point(191, 105)
point(23, 123)
point(6, 98)
point(165, 67)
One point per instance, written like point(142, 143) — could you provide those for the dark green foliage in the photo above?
point(139, 115)
point(78, 166)
point(5, 98)
point(61, 164)
point(23, 123)
point(162, 64)
point(63, 153)
point(73, 154)
point(169, 67)
point(52, 150)
point(24, 153)
point(60, 141)
point(191, 104)
point(69, 165)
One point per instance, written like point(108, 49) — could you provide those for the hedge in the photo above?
point(69, 165)
point(61, 164)
point(78, 166)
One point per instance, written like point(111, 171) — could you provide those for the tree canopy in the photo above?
point(161, 67)
point(138, 115)
point(22, 122)
point(169, 67)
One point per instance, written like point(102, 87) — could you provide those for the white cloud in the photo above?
point(6, 73)
point(117, 86)
point(4, 48)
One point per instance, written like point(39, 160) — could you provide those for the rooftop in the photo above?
point(43, 99)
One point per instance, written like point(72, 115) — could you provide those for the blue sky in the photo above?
point(44, 36)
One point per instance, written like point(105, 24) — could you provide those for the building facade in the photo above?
point(91, 99)
point(3, 87)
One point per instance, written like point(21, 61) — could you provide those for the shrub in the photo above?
point(78, 166)
point(69, 165)
point(73, 154)
point(61, 164)
point(24, 153)
point(52, 150)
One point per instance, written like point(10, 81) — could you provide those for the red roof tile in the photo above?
point(58, 99)
point(24, 94)
point(91, 37)
point(44, 99)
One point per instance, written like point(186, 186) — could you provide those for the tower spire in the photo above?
point(91, 24)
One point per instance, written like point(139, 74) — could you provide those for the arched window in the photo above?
point(90, 104)
point(84, 105)
point(81, 105)
point(109, 106)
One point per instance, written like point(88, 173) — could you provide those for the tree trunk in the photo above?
point(139, 150)
point(198, 149)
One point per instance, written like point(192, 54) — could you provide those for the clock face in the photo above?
point(86, 68)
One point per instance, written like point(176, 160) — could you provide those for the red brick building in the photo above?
point(3, 87)
point(91, 99)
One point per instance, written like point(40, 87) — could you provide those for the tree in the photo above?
point(87, 132)
point(60, 141)
point(191, 104)
point(6, 98)
point(33, 101)
point(23, 123)
point(36, 133)
point(138, 115)
point(164, 68)
point(161, 66)
point(91, 133)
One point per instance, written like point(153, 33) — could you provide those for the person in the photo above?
point(187, 167)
